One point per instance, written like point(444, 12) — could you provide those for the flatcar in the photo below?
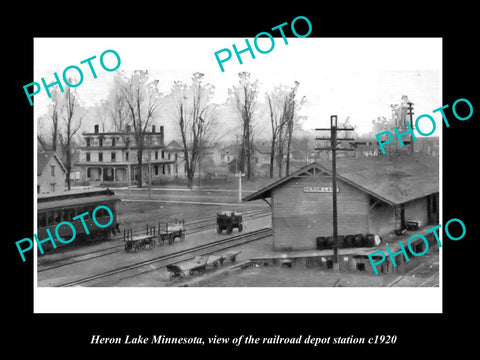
point(55, 208)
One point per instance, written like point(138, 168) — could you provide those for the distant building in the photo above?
point(175, 150)
point(428, 145)
point(365, 148)
point(217, 160)
point(50, 173)
point(228, 154)
point(221, 156)
point(110, 156)
point(261, 155)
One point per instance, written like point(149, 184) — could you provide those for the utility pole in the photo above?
point(129, 192)
point(127, 142)
point(199, 171)
point(150, 176)
point(333, 148)
point(410, 113)
point(240, 174)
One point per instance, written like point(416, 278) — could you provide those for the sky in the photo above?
point(350, 77)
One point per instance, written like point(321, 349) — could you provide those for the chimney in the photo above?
point(153, 128)
point(96, 129)
point(128, 128)
point(161, 135)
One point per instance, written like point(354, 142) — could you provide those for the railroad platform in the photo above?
point(315, 258)
point(351, 259)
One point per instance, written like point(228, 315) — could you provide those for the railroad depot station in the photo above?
point(384, 196)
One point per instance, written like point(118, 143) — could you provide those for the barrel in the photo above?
point(341, 241)
point(358, 240)
point(348, 241)
point(321, 243)
point(329, 242)
point(370, 240)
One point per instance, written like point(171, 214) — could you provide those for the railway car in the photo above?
point(55, 208)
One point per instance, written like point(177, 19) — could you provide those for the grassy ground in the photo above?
point(229, 183)
point(136, 214)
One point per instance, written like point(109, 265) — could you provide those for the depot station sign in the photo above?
point(319, 189)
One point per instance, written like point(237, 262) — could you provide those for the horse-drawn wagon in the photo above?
point(198, 264)
point(137, 242)
point(170, 232)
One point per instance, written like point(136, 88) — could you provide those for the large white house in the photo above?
point(111, 156)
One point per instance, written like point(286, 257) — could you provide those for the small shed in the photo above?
point(376, 195)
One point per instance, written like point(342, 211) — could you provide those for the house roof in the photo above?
point(77, 201)
point(43, 158)
point(395, 179)
point(263, 149)
point(231, 149)
point(367, 147)
point(298, 154)
point(173, 145)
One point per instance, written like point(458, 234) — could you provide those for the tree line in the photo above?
point(134, 100)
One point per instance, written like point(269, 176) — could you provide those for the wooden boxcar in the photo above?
point(55, 208)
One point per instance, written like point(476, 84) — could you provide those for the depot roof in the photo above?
point(394, 179)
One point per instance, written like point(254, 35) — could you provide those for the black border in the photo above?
point(430, 332)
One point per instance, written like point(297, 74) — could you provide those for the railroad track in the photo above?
point(178, 256)
point(430, 281)
point(198, 226)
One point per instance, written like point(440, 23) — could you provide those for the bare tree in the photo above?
point(291, 109)
point(277, 122)
point(72, 122)
point(244, 99)
point(101, 117)
point(283, 109)
point(48, 125)
point(54, 117)
point(282, 138)
point(115, 107)
point(195, 116)
point(142, 100)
